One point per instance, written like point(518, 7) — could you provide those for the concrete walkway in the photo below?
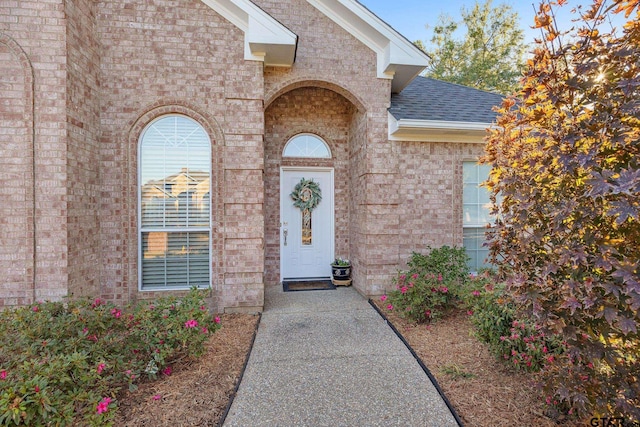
point(327, 358)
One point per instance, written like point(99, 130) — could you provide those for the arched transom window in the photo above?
point(307, 145)
point(174, 218)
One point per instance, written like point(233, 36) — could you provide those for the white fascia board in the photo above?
point(398, 58)
point(265, 39)
point(437, 130)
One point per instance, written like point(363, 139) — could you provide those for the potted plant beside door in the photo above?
point(341, 272)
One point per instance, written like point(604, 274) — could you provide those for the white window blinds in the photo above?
point(175, 214)
point(476, 213)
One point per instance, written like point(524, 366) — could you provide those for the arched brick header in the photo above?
point(18, 176)
point(213, 129)
point(289, 85)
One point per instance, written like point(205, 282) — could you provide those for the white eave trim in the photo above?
point(265, 39)
point(437, 130)
point(398, 58)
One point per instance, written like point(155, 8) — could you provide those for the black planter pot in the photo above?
point(341, 272)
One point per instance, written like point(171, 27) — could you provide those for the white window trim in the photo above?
point(476, 226)
point(139, 230)
point(292, 139)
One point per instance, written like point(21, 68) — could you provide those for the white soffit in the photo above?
point(398, 58)
point(265, 39)
point(437, 131)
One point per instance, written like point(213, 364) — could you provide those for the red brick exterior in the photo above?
point(80, 81)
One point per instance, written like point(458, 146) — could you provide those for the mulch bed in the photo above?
point(197, 391)
point(483, 391)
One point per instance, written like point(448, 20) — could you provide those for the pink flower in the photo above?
point(428, 313)
point(191, 323)
point(205, 330)
point(37, 389)
point(383, 298)
point(404, 289)
point(476, 293)
point(444, 289)
point(411, 284)
point(3, 374)
point(544, 349)
point(470, 312)
point(390, 307)
point(167, 371)
point(35, 308)
point(103, 406)
point(550, 359)
point(96, 303)
point(157, 397)
point(217, 319)
point(402, 277)
point(203, 308)
point(100, 368)
point(414, 276)
point(85, 330)
point(116, 313)
point(439, 277)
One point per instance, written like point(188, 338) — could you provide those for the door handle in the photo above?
point(285, 232)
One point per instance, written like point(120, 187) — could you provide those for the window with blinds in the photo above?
point(476, 214)
point(174, 216)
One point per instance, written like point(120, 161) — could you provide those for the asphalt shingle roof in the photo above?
point(429, 99)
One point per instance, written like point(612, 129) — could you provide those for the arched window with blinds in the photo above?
point(174, 176)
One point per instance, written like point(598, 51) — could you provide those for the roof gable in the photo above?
point(268, 40)
point(398, 58)
point(265, 39)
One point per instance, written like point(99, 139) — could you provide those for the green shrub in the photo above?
point(447, 262)
point(64, 363)
point(428, 288)
point(512, 336)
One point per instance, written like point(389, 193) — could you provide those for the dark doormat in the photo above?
point(307, 285)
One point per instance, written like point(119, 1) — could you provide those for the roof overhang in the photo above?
point(398, 59)
point(437, 131)
point(265, 39)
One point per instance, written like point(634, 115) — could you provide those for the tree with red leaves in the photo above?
point(566, 164)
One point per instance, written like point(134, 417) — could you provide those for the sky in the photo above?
point(410, 17)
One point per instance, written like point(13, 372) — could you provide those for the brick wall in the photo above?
point(16, 175)
point(429, 186)
point(173, 56)
point(33, 40)
point(84, 78)
point(83, 178)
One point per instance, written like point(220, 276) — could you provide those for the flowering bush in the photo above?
point(64, 363)
point(512, 336)
point(430, 285)
point(420, 298)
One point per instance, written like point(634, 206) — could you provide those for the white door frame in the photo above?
point(284, 196)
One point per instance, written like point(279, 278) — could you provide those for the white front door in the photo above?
point(308, 256)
